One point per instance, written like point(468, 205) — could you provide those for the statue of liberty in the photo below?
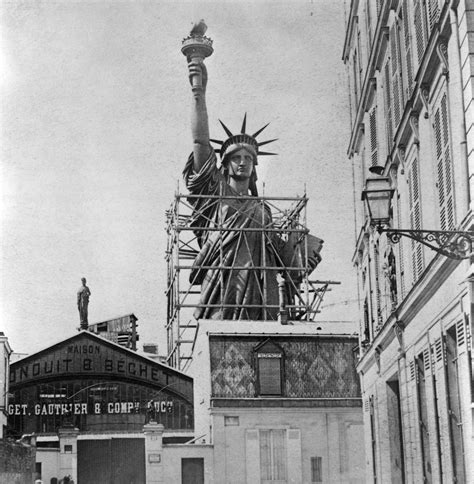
point(239, 254)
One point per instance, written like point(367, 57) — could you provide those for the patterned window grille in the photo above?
point(444, 165)
point(316, 469)
point(273, 456)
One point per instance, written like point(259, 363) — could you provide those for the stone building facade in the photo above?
point(409, 68)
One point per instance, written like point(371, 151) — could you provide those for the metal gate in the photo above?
point(111, 461)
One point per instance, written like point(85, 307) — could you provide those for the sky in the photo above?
point(95, 130)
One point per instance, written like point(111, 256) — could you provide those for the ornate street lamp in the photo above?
point(377, 195)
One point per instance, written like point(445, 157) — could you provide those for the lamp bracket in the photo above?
point(454, 244)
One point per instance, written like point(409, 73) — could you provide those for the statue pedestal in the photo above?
point(154, 452)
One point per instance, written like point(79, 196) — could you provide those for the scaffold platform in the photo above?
point(284, 255)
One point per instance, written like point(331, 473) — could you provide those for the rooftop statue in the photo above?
point(83, 295)
point(239, 254)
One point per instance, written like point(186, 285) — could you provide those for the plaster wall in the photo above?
point(332, 434)
point(172, 459)
point(49, 459)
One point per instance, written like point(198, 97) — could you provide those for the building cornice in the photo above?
point(351, 21)
point(379, 42)
point(432, 59)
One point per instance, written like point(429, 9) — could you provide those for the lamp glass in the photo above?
point(378, 195)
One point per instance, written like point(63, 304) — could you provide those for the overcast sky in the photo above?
point(95, 107)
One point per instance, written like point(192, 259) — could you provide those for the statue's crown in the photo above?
point(242, 137)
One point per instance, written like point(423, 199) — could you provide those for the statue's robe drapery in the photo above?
point(245, 256)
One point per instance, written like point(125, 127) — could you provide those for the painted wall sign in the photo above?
point(85, 409)
point(87, 356)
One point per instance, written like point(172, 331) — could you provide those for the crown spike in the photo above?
point(259, 131)
point(218, 141)
point(226, 129)
point(266, 142)
point(266, 153)
point(244, 124)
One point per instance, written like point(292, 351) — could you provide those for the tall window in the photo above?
point(273, 456)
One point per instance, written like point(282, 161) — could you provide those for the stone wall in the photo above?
point(17, 462)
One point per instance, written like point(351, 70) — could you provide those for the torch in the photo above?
point(197, 47)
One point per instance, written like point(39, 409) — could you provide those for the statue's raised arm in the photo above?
point(199, 118)
point(196, 47)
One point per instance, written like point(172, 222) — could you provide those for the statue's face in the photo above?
point(240, 165)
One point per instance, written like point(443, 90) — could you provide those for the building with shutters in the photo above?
point(409, 67)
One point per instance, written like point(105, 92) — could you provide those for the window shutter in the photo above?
point(396, 85)
point(415, 217)
point(438, 352)
point(427, 359)
point(408, 50)
point(412, 370)
point(378, 4)
point(378, 315)
point(420, 28)
point(356, 78)
point(388, 106)
point(373, 136)
point(269, 374)
point(401, 255)
point(462, 335)
point(252, 450)
point(368, 23)
point(433, 13)
point(316, 469)
point(444, 166)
